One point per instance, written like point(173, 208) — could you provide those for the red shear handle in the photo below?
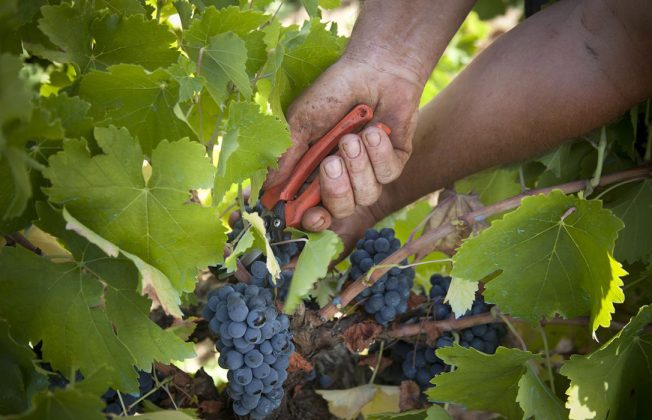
point(352, 122)
point(295, 209)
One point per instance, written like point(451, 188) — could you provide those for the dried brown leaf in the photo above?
point(372, 361)
point(409, 397)
point(298, 362)
point(449, 209)
point(415, 300)
point(361, 335)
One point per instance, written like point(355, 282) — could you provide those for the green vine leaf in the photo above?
point(554, 257)
point(17, 163)
point(19, 380)
point(312, 7)
point(222, 38)
point(537, 400)
point(73, 113)
point(108, 200)
point(93, 40)
point(15, 97)
point(492, 185)
point(298, 60)
point(557, 159)
point(214, 22)
point(253, 142)
point(312, 265)
point(633, 204)
point(133, 40)
point(129, 96)
point(481, 381)
point(125, 7)
point(68, 27)
point(67, 317)
point(64, 404)
point(614, 381)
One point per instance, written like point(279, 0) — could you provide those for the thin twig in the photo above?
point(512, 329)
point(271, 19)
point(151, 391)
point(380, 358)
point(521, 178)
point(546, 349)
point(428, 240)
point(122, 404)
point(18, 238)
point(434, 328)
point(602, 148)
point(289, 241)
point(618, 185)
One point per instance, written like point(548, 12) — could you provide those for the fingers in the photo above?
point(316, 219)
point(386, 163)
point(366, 189)
point(313, 113)
point(336, 191)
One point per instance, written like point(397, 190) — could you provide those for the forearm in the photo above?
point(554, 77)
point(407, 34)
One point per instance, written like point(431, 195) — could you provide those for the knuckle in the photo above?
point(336, 190)
point(368, 198)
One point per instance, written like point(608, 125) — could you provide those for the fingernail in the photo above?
point(333, 168)
point(373, 139)
point(319, 223)
point(351, 147)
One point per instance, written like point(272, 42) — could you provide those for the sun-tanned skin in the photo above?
point(569, 69)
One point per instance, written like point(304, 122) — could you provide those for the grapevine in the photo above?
point(142, 273)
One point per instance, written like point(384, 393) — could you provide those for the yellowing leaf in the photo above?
point(461, 295)
point(349, 403)
point(312, 265)
point(260, 234)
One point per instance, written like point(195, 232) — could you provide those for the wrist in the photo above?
point(383, 58)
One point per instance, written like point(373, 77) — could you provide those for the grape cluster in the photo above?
point(388, 296)
point(261, 277)
point(419, 363)
point(484, 338)
point(254, 345)
point(282, 251)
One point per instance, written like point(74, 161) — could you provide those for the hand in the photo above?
point(366, 161)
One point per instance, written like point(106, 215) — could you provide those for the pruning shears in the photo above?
point(283, 203)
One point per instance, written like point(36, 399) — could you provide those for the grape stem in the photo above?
point(511, 327)
point(158, 386)
point(19, 239)
point(433, 329)
point(428, 241)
